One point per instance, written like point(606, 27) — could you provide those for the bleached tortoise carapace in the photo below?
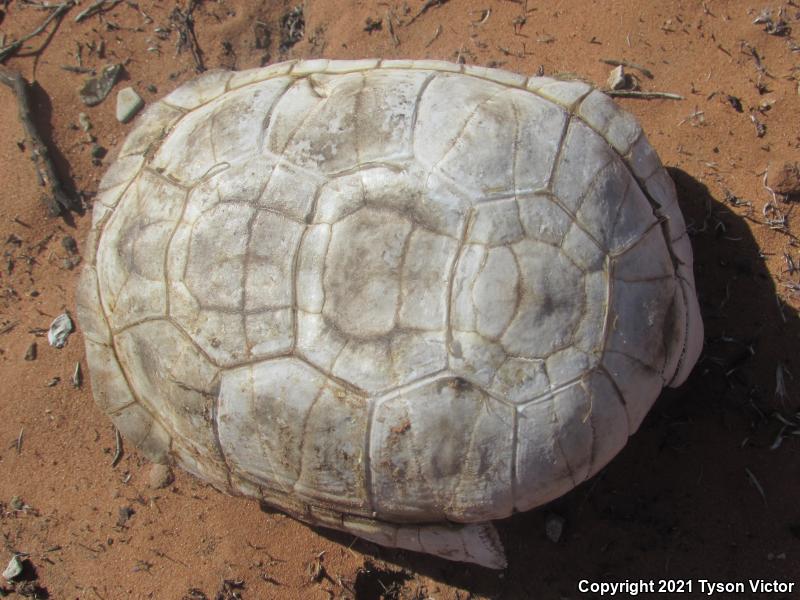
point(395, 298)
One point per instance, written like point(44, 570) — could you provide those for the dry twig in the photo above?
point(59, 10)
point(56, 199)
point(97, 7)
point(644, 95)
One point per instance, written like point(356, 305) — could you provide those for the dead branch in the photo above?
point(55, 198)
point(97, 7)
point(59, 10)
point(643, 95)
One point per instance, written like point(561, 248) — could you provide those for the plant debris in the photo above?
point(58, 12)
point(56, 199)
point(773, 26)
point(184, 22)
point(292, 28)
point(229, 590)
point(371, 25)
point(735, 103)
point(124, 514)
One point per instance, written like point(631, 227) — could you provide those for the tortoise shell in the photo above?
point(396, 298)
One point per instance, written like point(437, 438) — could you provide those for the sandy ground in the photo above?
point(702, 491)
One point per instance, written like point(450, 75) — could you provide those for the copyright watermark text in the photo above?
point(706, 587)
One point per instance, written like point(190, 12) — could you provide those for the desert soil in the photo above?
point(709, 488)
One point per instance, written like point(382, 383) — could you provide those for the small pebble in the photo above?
point(98, 151)
point(785, 178)
point(160, 476)
point(95, 89)
point(31, 353)
point(69, 244)
point(84, 121)
point(554, 527)
point(128, 104)
point(125, 513)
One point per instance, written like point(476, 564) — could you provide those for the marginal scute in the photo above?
point(638, 385)
point(90, 310)
point(119, 173)
point(565, 93)
point(109, 387)
point(648, 259)
point(693, 344)
point(497, 75)
point(138, 426)
point(349, 66)
point(617, 126)
point(642, 159)
point(199, 90)
point(151, 127)
point(249, 76)
point(662, 189)
point(675, 333)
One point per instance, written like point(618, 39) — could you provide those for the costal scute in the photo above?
point(395, 298)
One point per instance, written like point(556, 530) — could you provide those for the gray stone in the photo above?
point(128, 104)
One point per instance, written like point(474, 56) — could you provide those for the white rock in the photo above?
point(128, 104)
